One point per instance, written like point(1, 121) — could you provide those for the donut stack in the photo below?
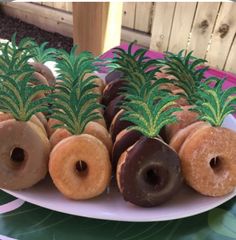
point(197, 161)
point(147, 170)
point(25, 148)
point(79, 163)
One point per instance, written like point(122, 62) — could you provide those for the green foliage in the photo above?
point(77, 107)
point(72, 68)
point(19, 98)
point(131, 62)
point(187, 72)
point(42, 54)
point(13, 58)
point(149, 111)
point(214, 104)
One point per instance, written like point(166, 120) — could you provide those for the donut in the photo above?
point(58, 135)
point(117, 125)
point(112, 109)
point(80, 167)
point(124, 140)
point(148, 173)
point(45, 71)
point(208, 160)
point(114, 75)
point(23, 156)
point(92, 128)
point(178, 139)
point(111, 91)
point(184, 117)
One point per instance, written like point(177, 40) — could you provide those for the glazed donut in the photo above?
point(80, 167)
point(23, 156)
point(92, 128)
point(45, 71)
point(185, 118)
point(58, 135)
point(208, 160)
point(178, 139)
point(148, 173)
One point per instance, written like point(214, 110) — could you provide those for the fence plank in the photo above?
point(43, 17)
point(181, 28)
point(128, 14)
point(161, 27)
point(223, 35)
point(143, 16)
point(202, 28)
point(231, 61)
point(65, 6)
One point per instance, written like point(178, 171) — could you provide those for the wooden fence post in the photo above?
point(97, 25)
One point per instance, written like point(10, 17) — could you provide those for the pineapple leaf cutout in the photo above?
point(150, 112)
point(14, 58)
point(77, 107)
point(187, 72)
point(21, 98)
point(73, 68)
point(214, 104)
point(42, 54)
point(131, 61)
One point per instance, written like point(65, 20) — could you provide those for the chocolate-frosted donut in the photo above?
point(111, 91)
point(117, 125)
point(114, 75)
point(112, 109)
point(149, 173)
point(124, 140)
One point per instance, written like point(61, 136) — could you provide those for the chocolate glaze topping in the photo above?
point(118, 125)
point(122, 144)
point(114, 75)
point(151, 174)
point(111, 91)
point(112, 109)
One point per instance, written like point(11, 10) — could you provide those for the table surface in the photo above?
point(21, 220)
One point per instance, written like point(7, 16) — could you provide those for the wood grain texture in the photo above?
point(128, 14)
point(40, 16)
point(94, 27)
point(161, 26)
point(182, 23)
point(142, 39)
point(65, 6)
point(230, 64)
point(143, 16)
point(223, 35)
point(202, 28)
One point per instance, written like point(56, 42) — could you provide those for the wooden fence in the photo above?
point(209, 29)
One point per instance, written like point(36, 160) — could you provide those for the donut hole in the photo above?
point(17, 156)
point(215, 164)
point(155, 177)
point(152, 177)
point(81, 168)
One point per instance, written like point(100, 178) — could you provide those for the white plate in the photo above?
point(111, 206)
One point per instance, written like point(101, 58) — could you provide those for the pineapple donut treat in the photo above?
point(208, 153)
point(148, 172)
point(187, 77)
point(25, 148)
point(79, 164)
